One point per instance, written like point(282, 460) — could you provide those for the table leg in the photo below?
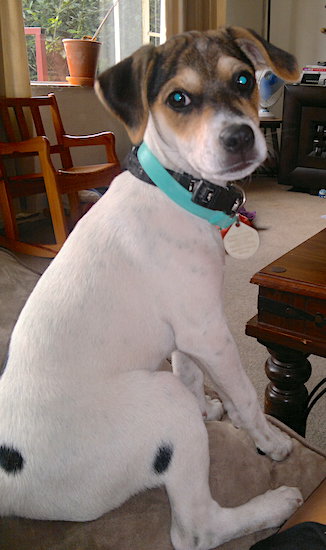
point(286, 395)
point(275, 144)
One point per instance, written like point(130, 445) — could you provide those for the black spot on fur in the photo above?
point(3, 366)
point(163, 458)
point(260, 452)
point(10, 460)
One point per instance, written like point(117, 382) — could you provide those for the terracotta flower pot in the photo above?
point(82, 56)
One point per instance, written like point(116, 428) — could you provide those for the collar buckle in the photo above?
point(205, 193)
point(226, 199)
point(240, 198)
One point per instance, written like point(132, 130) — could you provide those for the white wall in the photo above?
point(246, 13)
point(295, 26)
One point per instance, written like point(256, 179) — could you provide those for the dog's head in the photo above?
point(194, 100)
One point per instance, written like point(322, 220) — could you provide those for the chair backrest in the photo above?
point(22, 119)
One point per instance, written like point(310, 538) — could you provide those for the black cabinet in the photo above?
point(303, 139)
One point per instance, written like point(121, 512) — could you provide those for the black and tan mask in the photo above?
point(194, 99)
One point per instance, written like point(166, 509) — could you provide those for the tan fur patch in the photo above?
point(187, 79)
point(250, 108)
point(227, 66)
point(177, 123)
point(190, 81)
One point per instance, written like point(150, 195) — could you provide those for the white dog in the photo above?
point(86, 419)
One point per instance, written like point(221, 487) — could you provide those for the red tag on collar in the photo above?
point(242, 219)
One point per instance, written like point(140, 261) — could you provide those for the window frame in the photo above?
point(146, 36)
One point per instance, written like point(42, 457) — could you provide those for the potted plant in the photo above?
point(58, 19)
point(82, 55)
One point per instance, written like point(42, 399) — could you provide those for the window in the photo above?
point(131, 24)
point(154, 22)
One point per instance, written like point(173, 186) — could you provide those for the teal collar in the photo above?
point(184, 198)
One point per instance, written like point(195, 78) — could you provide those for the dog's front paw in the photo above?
point(275, 443)
point(282, 502)
point(214, 409)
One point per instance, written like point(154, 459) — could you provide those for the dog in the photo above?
point(87, 418)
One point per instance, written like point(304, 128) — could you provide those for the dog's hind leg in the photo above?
point(198, 521)
point(185, 368)
point(172, 449)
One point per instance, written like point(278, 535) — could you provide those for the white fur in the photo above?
point(201, 153)
point(138, 279)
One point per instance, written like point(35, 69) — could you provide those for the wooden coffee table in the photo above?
point(291, 323)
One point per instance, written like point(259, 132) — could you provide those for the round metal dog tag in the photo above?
point(241, 241)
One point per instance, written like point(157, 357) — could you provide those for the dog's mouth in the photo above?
point(242, 166)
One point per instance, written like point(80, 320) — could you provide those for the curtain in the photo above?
point(174, 13)
point(186, 15)
point(14, 74)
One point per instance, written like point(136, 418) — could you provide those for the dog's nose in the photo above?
point(237, 137)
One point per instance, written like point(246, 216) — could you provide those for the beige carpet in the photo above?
point(16, 283)
point(285, 219)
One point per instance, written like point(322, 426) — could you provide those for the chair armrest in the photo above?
point(34, 145)
point(103, 138)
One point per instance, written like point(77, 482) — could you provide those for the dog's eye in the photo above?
point(178, 100)
point(244, 82)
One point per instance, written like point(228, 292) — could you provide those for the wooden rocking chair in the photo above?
point(22, 140)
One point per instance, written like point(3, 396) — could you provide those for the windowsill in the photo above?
point(55, 84)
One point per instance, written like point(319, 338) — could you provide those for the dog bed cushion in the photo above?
point(237, 474)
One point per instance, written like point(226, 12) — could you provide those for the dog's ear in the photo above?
point(262, 54)
point(123, 90)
